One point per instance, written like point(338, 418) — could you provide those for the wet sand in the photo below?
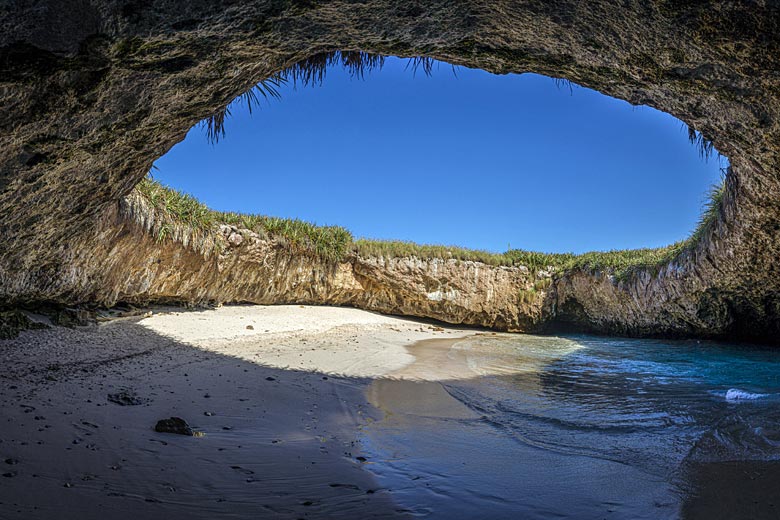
point(281, 426)
point(445, 458)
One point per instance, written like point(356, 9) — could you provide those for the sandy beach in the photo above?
point(321, 412)
point(279, 393)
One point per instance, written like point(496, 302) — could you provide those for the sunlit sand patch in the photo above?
point(480, 355)
point(505, 354)
point(354, 343)
point(330, 340)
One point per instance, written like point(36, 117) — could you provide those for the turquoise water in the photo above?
point(584, 427)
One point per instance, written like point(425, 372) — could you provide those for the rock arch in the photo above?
point(91, 93)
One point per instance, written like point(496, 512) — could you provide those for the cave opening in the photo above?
point(420, 151)
point(309, 401)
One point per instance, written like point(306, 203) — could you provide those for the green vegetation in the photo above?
point(397, 248)
point(308, 72)
point(527, 297)
point(620, 262)
point(269, 88)
point(327, 242)
point(179, 207)
point(705, 146)
point(710, 211)
point(532, 294)
point(336, 243)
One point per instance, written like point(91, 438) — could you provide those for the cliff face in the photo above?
point(128, 261)
point(91, 93)
point(727, 286)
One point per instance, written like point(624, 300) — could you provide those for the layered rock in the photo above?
point(91, 93)
point(129, 260)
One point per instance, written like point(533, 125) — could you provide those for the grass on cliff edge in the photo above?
point(335, 242)
point(328, 242)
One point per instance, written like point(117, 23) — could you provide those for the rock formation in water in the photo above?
point(91, 93)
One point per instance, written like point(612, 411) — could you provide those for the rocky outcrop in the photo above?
point(128, 260)
point(91, 93)
point(724, 287)
point(13, 322)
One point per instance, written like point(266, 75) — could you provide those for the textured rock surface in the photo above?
point(91, 93)
point(125, 261)
point(14, 322)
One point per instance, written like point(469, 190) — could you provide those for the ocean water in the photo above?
point(584, 427)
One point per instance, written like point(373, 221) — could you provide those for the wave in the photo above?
point(735, 394)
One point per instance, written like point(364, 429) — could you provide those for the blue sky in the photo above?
point(475, 160)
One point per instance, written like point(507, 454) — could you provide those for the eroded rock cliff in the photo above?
point(127, 260)
point(92, 92)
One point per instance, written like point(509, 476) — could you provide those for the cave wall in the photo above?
point(92, 92)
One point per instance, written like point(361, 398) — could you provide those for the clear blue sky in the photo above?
point(477, 160)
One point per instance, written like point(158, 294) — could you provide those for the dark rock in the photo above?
point(73, 317)
point(126, 397)
point(14, 322)
point(346, 486)
point(175, 425)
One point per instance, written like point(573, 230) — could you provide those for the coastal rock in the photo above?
point(235, 239)
point(200, 268)
point(175, 425)
point(126, 398)
point(72, 317)
point(89, 102)
point(13, 322)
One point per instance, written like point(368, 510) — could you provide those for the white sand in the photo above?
point(230, 322)
point(331, 340)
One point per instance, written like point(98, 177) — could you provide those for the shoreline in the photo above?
point(317, 412)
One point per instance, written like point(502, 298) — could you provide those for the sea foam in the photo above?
point(735, 394)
